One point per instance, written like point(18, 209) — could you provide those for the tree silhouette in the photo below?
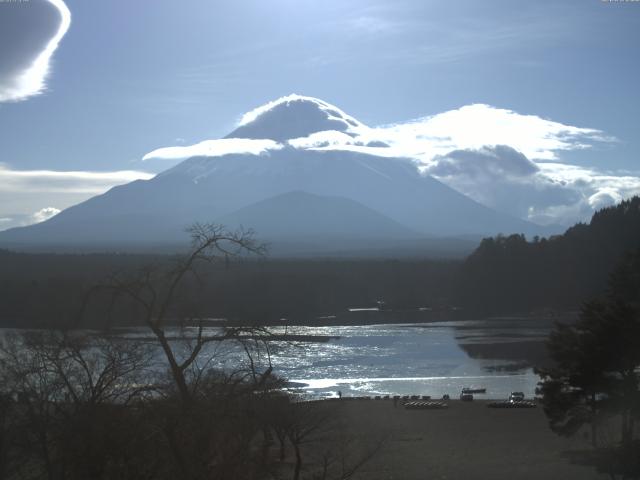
point(595, 374)
point(155, 293)
point(509, 273)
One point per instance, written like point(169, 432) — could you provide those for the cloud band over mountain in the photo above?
point(509, 162)
point(500, 158)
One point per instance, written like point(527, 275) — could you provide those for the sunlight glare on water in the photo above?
point(424, 359)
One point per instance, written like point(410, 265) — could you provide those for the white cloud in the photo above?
point(22, 220)
point(497, 162)
point(505, 160)
point(543, 192)
point(50, 181)
point(498, 157)
point(605, 197)
point(44, 214)
point(475, 126)
point(23, 192)
point(472, 127)
point(30, 80)
point(215, 148)
point(502, 178)
point(328, 138)
point(596, 190)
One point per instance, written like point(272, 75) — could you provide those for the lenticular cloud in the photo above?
point(500, 158)
point(24, 72)
point(215, 148)
point(475, 126)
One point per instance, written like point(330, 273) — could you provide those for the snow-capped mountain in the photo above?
point(345, 187)
point(295, 117)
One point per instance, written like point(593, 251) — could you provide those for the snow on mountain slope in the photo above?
point(296, 144)
point(292, 117)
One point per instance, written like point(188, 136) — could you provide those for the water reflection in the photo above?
point(434, 358)
point(422, 359)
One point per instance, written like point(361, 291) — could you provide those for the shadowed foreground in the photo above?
point(467, 440)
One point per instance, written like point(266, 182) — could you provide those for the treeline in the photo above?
point(45, 290)
point(510, 274)
point(505, 274)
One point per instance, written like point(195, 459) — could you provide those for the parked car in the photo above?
point(516, 397)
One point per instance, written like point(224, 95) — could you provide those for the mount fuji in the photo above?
point(297, 171)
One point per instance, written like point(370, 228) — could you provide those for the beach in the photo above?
point(465, 440)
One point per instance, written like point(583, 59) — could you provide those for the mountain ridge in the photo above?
point(212, 186)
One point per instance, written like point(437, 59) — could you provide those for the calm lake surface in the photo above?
point(420, 359)
point(433, 358)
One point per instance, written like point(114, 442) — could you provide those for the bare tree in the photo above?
point(155, 292)
point(65, 391)
point(211, 431)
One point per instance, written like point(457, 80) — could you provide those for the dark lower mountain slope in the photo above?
point(301, 215)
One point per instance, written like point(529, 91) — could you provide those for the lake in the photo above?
point(417, 359)
point(434, 358)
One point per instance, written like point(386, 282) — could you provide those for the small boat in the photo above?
point(474, 390)
point(382, 305)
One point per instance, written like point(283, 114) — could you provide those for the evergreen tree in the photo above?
point(596, 369)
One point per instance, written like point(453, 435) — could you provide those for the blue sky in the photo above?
point(130, 77)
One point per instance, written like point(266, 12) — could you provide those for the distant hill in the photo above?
point(302, 215)
point(508, 273)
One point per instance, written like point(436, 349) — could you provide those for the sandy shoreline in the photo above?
point(466, 440)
